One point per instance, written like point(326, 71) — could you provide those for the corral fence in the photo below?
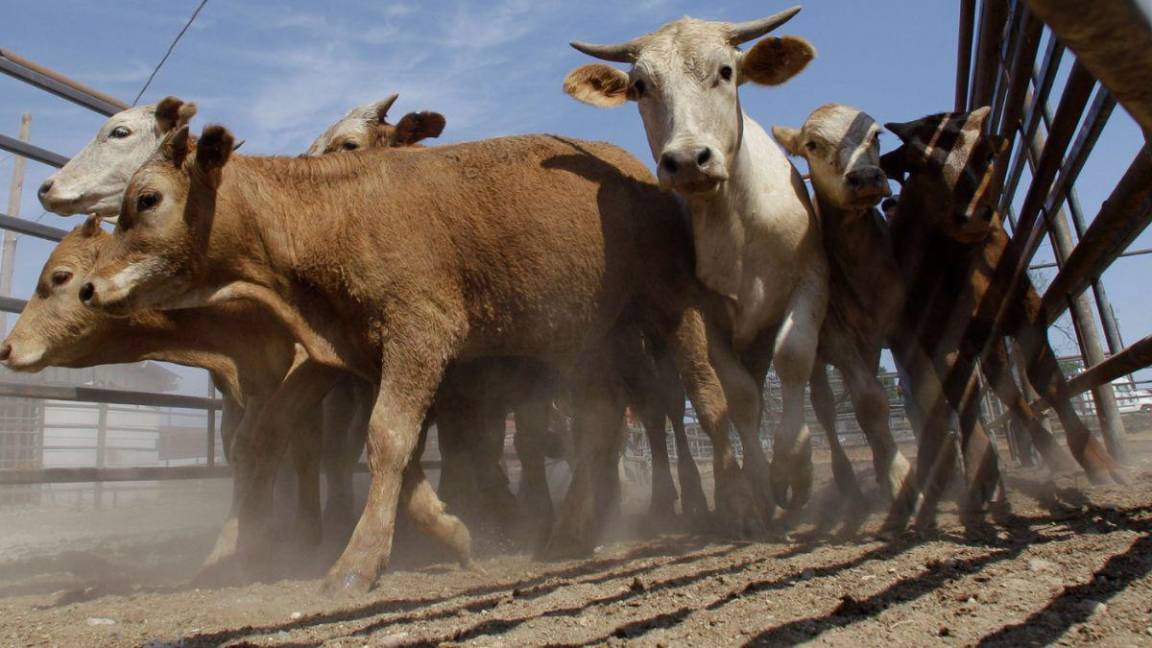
point(1010, 58)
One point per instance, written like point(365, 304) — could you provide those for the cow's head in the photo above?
point(684, 78)
point(949, 164)
point(842, 147)
point(165, 220)
point(367, 127)
point(94, 180)
point(55, 329)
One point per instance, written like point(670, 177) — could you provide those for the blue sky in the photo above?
point(278, 73)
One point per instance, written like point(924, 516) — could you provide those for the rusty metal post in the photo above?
point(964, 53)
point(1060, 236)
point(15, 191)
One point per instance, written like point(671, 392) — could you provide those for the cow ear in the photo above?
point(776, 59)
point(414, 127)
point(894, 164)
point(598, 84)
point(172, 113)
point(175, 146)
point(214, 148)
point(789, 138)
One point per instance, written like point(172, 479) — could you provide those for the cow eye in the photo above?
point(61, 277)
point(146, 201)
point(639, 86)
point(726, 72)
point(349, 146)
point(811, 146)
point(119, 132)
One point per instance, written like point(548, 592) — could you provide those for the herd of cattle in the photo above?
point(373, 286)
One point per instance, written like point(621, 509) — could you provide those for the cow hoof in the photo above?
point(346, 584)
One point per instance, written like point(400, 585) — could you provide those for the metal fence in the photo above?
point(22, 399)
point(1001, 64)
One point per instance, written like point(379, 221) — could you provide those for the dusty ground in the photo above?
point(1068, 566)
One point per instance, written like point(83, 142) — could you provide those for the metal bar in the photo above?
point(1132, 253)
point(101, 434)
point(211, 437)
point(12, 305)
point(1087, 335)
point(1122, 217)
point(31, 228)
point(1024, 60)
point(1094, 122)
point(32, 152)
point(1012, 45)
point(1072, 104)
point(964, 53)
point(1114, 41)
point(113, 396)
point(140, 473)
point(993, 15)
point(143, 473)
point(15, 190)
point(1130, 360)
point(58, 84)
point(1043, 80)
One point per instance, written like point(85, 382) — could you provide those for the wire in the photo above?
point(169, 52)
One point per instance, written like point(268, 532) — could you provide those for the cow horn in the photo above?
point(620, 53)
point(902, 129)
point(743, 32)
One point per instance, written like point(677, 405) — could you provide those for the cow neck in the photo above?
point(720, 220)
point(279, 239)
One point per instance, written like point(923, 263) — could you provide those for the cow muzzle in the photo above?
point(692, 169)
point(867, 186)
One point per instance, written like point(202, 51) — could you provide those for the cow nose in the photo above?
point(44, 188)
point(870, 178)
point(683, 159)
point(5, 352)
point(87, 291)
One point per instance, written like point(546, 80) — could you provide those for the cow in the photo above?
point(841, 145)
point(532, 246)
point(756, 235)
point(366, 126)
point(955, 258)
point(654, 390)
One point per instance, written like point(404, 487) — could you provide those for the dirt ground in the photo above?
point(1071, 565)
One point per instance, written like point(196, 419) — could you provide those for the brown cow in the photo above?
point(532, 246)
point(954, 255)
point(841, 146)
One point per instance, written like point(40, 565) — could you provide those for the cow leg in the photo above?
point(599, 408)
point(533, 495)
point(870, 401)
point(663, 501)
point(413, 361)
point(995, 365)
point(346, 412)
point(794, 355)
point(306, 454)
point(693, 503)
point(458, 484)
point(278, 425)
point(220, 566)
point(824, 404)
point(719, 386)
point(428, 512)
point(495, 493)
point(981, 461)
point(1045, 375)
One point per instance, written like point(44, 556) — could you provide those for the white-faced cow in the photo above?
point(756, 235)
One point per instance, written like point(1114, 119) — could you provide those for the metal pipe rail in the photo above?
point(52, 81)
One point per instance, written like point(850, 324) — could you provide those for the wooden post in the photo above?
point(8, 256)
